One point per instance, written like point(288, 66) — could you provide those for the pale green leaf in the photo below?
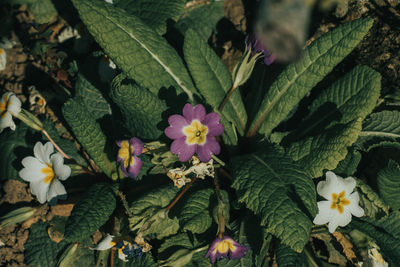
point(213, 79)
point(301, 76)
point(135, 47)
point(90, 212)
point(88, 133)
point(154, 12)
point(43, 11)
point(389, 184)
point(141, 109)
point(264, 182)
point(326, 150)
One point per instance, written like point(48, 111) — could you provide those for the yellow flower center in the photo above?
point(196, 133)
point(125, 153)
point(338, 201)
point(49, 173)
point(4, 103)
point(224, 246)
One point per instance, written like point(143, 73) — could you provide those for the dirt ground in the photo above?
point(380, 50)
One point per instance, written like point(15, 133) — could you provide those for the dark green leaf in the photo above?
point(389, 184)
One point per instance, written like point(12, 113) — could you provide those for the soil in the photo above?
point(380, 50)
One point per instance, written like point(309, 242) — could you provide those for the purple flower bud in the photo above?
point(225, 247)
point(128, 156)
point(256, 46)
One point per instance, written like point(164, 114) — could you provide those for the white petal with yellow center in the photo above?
point(105, 243)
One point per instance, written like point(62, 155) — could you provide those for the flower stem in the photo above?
point(180, 194)
point(217, 187)
point(228, 95)
point(54, 143)
point(218, 160)
point(200, 249)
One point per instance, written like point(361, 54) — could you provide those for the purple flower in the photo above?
point(256, 46)
point(128, 156)
point(225, 247)
point(194, 133)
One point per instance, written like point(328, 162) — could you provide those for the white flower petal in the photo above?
point(6, 121)
point(332, 226)
point(40, 189)
point(354, 207)
point(14, 105)
point(121, 255)
point(326, 188)
point(62, 171)
point(56, 189)
point(32, 171)
point(105, 243)
point(325, 213)
point(344, 218)
point(42, 152)
point(348, 185)
point(3, 59)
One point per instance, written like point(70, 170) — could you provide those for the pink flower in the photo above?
point(194, 132)
point(225, 247)
point(128, 156)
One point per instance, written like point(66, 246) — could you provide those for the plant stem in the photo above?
point(54, 144)
point(217, 187)
point(181, 194)
point(228, 95)
point(218, 160)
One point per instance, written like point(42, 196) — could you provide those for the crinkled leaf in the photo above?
point(348, 166)
point(195, 213)
point(326, 150)
point(372, 204)
point(354, 95)
point(301, 76)
point(154, 12)
point(40, 251)
point(146, 166)
point(203, 24)
point(145, 261)
point(90, 212)
point(389, 184)
point(384, 123)
point(135, 47)
point(285, 256)
point(88, 133)
point(91, 97)
point(43, 11)
point(392, 223)
point(265, 182)
point(140, 108)
point(159, 197)
point(213, 79)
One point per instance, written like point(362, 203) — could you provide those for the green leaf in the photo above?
point(40, 251)
point(266, 182)
point(389, 184)
point(195, 214)
point(326, 150)
point(146, 166)
point(213, 79)
point(141, 109)
point(392, 223)
point(154, 12)
point(385, 124)
point(354, 95)
point(203, 25)
point(88, 133)
point(135, 47)
point(301, 76)
point(372, 204)
point(285, 257)
point(43, 11)
point(145, 261)
point(90, 212)
point(91, 97)
point(349, 165)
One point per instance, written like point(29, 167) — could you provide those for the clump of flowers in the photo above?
point(10, 106)
point(44, 172)
point(194, 132)
point(225, 246)
point(125, 248)
point(341, 201)
point(128, 156)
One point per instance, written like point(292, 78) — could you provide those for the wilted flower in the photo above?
point(44, 172)
point(201, 169)
point(256, 47)
point(4, 44)
point(194, 132)
point(128, 156)
point(341, 202)
point(10, 106)
point(375, 259)
point(178, 176)
point(125, 248)
point(225, 247)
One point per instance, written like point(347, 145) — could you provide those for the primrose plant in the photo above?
point(182, 168)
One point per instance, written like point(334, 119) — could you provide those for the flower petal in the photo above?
point(325, 213)
point(40, 189)
point(6, 121)
point(348, 184)
point(191, 113)
point(134, 169)
point(42, 152)
point(33, 170)
point(56, 189)
point(62, 171)
point(215, 128)
point(137, 146)
point(183, 150)
point(354, 207)
point(14, 106)
point(3, 59)
point(105, 243)
point(175, 130)
point(326, 188)
point(210, 147)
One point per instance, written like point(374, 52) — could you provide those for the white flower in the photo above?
point(105, 243)
point(44, 172)
point(341, 203)
point(125, 248)
point(10, 106)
